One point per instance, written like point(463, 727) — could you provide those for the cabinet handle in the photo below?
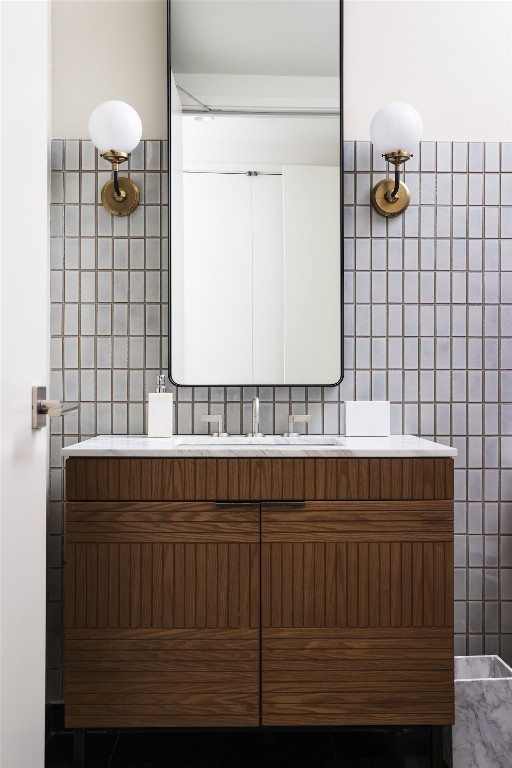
point(236, 503)
point(285, 503)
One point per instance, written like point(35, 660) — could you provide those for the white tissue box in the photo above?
point(367, 418)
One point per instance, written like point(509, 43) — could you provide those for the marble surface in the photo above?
point(333, 446)
point(482, 734)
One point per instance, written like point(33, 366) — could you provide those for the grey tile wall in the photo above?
point(428, 325)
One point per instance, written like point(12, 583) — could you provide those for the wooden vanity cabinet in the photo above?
point(246, 592)
point(162, 614)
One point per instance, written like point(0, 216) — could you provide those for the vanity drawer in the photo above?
point(254, 479)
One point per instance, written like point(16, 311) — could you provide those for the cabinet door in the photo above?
point(162, 614)
point(357, 613)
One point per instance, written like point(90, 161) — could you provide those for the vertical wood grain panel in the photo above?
point(318, 586)
point(92, 477)
point(234, 585)
point(135, 479)
point(320, 479)
point(200, 479)
point(406, 584)
point(352, 585)
point(92, 585)
point(266, 595)
point(341, 584)
point(396, 479)
point(287, 586)
point(449, 479)
point(266, 479)
point(276, 471)
point(417, 479)
point(211, 586)
point(211, 479)
point(124, 478)
point(190, 478)
point(439, 585)
point(244, 479)
point(102, 585)
point(222, 479)
point(309, 479)
point(81, 490)
point(201, 582)
point(190, 586)
point(168, 585)
point(309, 575)
point(429, 478)
point(374, 479)
point(103, 480)
point(385, 584)
point(81, 582)
point(330, 584)
point(448, 581)
point(70, 585)
point(168, 484)
point(179, 585)
point(396, 584)
point(178, 481)
point(298, 487)
point(276, 581)
point(331, 479)
point(233, 467)
point(71, 479)
point(407, 484)
point(157, 620)
point(386, 478)
point(288, 478)
point(113, 586)
point(363, 565)
point(298, 584)
point(342, 479)
point(363, 466)
point(124, 585)
point(373, 584)
point(135, 585)
point(223, 585)
point(428, 584)
point(148, 478)
point(146, 557)
point(352, 479)
point(113, 479)
point(256, 581)
point(245, 584)
point(417, 584)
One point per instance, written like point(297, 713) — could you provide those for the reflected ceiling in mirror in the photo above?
point(255, 136)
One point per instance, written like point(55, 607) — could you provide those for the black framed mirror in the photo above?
point(255, 154)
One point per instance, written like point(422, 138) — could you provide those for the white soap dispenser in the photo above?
point(160, 410)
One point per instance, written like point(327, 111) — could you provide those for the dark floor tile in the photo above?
point(224, 750)
point(355, 748)
point(98, 752)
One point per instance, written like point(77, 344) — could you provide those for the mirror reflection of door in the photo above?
point(255, 193)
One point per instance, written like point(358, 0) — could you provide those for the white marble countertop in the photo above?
point(320, 446)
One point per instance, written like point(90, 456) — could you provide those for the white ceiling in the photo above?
point(256, 37)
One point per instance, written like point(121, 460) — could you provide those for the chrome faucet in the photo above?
point(255, 419)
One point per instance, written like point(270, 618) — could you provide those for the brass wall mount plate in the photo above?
point(120, 207)
point(382, 205)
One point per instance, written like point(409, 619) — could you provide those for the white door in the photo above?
point(24, 116)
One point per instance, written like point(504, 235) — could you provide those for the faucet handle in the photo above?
point(219, 419)
point(298, 419)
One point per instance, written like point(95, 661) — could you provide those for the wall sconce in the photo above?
point(115, 129)
point(396, 131)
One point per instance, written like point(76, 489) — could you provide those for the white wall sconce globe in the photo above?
point(115, 125)
point(396, 126)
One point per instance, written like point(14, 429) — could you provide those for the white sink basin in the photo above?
point(240, 441)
